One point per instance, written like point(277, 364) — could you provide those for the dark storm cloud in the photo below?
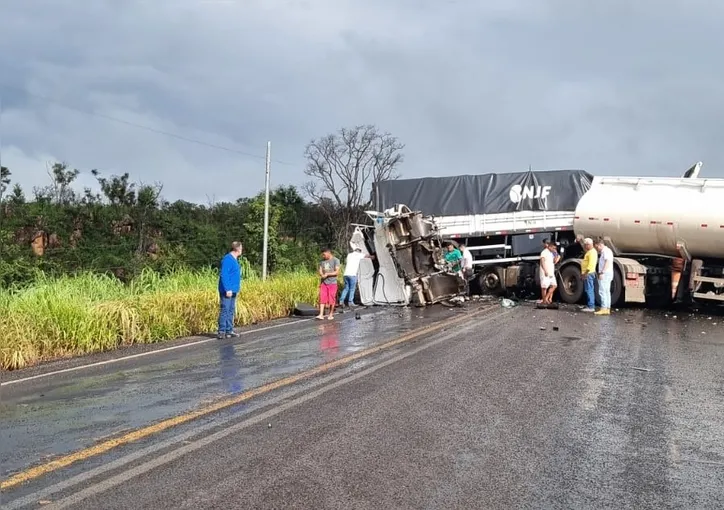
point(469, 86)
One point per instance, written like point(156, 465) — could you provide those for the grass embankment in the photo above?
point(90, 313)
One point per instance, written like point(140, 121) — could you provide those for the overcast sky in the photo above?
point(470, 86)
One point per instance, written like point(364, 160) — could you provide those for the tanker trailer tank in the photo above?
point(661, 221)
point(654, 215)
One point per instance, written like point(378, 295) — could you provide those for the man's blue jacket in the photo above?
point(229, 275)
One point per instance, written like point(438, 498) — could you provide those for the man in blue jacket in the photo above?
point(229, 287)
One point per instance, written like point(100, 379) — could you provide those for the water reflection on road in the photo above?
point(58, 414)
point(230, 369)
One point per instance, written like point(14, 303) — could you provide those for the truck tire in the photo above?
point(491, 280)
point(305, 310)
point(570, 286)
point(617, 289)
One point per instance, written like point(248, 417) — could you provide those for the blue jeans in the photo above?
point(589, 281)
point(604, 290)
point(226, 313)
point(350, 284)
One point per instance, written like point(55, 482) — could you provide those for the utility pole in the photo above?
point(2, 209)
point(1, 159)
point(1, 136)
point(265, 250)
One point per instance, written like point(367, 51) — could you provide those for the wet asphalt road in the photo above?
point(624, 411)
point(45, 417)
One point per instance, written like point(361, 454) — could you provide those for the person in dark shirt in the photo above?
point(229, 287)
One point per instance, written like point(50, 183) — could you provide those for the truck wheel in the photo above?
point(617, 289)
point(491, 281)
point(570, 287)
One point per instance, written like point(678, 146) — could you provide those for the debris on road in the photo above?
point(508, 303)
point(549, 306)
point(456, 302)
point(641, 369)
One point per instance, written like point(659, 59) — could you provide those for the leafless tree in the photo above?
point(343, 167)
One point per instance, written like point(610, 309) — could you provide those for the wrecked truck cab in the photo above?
point(416, 249)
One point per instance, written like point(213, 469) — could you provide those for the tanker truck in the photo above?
point(667, 234)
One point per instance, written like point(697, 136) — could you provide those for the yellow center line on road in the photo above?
point(105, 446)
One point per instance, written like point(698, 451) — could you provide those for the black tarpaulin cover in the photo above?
point(546, 190)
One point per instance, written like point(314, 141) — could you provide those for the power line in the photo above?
point(141, 126)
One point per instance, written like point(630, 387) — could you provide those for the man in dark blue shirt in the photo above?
point(229, 287)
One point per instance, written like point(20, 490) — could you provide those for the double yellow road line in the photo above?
point(130, 437)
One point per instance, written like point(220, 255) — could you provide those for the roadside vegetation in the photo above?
point(89, 313)
point(92, 269)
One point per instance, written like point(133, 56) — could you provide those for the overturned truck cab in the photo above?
point(412, 243)
point(416, 248)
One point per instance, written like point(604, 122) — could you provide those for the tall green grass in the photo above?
point(73, 315)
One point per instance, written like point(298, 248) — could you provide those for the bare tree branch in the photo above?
point(344, 165)
point(342, 168)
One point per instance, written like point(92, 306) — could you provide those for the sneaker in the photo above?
point(232, 334)
point(603, 311)
point(588, 310)
point(220, 336)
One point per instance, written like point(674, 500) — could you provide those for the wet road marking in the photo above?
point(148, 353)
point(105, 446)
point(45, 493)
point(104, 485)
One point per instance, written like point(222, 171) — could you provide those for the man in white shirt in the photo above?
point(546, 272)
point(467, 268)
point(351, 268)
point(605, 276)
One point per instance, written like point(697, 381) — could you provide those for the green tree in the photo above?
point(4, 180)
point(62, 178)
point(127, 226)
point(4, 183)
point(254, 232)
point(17, 197)
point(145, 215)
point(118, 189)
